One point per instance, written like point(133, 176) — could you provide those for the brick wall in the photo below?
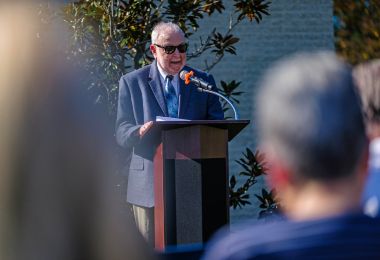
point(294, 25)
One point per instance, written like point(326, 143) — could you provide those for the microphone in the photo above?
point(189, 77)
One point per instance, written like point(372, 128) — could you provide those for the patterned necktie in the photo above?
point(171, 97)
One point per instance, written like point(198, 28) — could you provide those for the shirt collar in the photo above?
point(163, 75)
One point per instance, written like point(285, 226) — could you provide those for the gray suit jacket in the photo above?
point(141, 99)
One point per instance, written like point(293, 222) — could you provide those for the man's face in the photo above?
point(170, 63)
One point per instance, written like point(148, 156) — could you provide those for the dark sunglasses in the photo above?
point(171, 49)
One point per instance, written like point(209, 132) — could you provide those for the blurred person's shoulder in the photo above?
point(231, 242)
point(284, 238)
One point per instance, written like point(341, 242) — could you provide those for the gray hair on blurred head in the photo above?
point(309, 116)
point(367, 77)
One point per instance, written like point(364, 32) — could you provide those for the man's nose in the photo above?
point(176, 51)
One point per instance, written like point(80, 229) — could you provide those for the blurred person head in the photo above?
point(56, 191)
point(367, 77)
point(312, 132)
point(169, 47)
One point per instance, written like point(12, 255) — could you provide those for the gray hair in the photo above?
point(310, 116)
point(367, 77)
point(163, 27)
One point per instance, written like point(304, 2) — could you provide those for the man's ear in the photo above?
point(278, 176)
point(153, 50)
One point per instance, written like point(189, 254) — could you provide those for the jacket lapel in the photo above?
point(155, 85)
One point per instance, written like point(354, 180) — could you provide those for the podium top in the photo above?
point(233, 126)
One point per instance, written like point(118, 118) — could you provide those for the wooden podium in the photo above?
point(191, 179)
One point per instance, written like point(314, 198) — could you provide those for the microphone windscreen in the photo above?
point(182, 74)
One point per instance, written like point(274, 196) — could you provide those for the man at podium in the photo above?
point(151, 91)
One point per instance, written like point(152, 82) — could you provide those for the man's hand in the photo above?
point(145, 127)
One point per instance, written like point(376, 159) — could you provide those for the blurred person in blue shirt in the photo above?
point(312, 133)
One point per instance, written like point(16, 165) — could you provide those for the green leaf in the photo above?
point(232, 181)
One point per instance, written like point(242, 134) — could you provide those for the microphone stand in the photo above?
point(237, 117)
